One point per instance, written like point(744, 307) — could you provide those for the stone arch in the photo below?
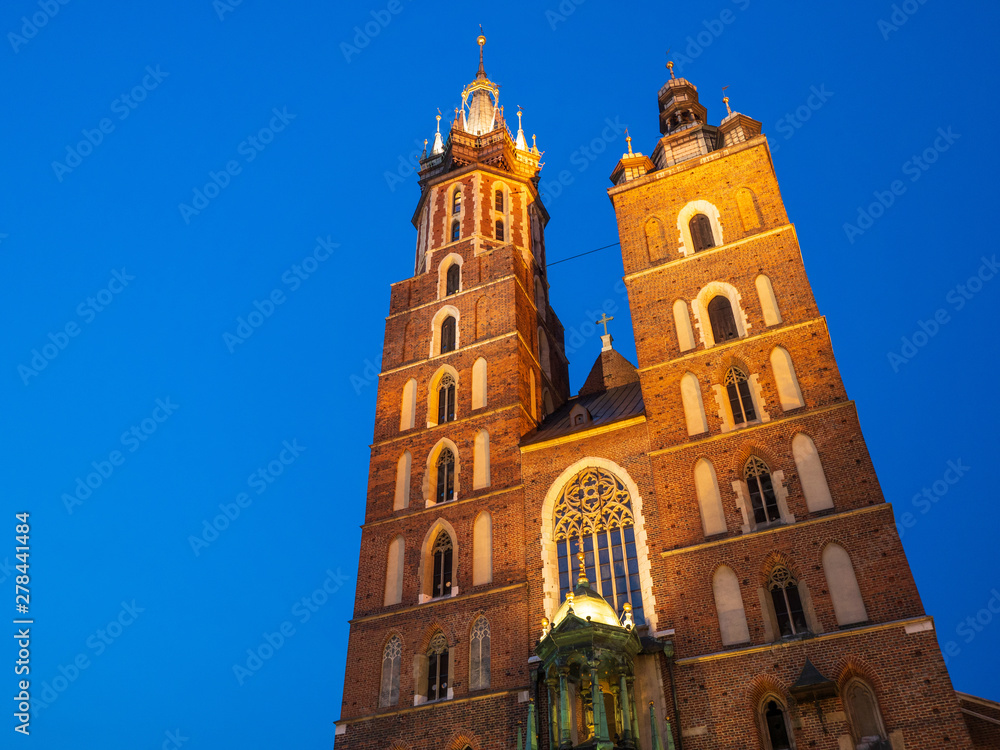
point(694, 406)
point(410, 341)
point(462, 740)
point(685, 244)
point(729, 606)
point(395, 565)
point(811, 474)
point(713, 517)
point(746, 202)
point(481, 461)
point(430, 472)
point(550, 560)
point(437, 320)
point(401, 498)
point(656, 249)
point(768, 302)
point(433, 392)
point(853, 666)
point(482, 549)
point(789, 393)
point(451, 259)
point(842, 583)
point(425, 569)
point(544, 353)
point(408, 405)
point(700, 309)
point(682, 323)
point(479, 384)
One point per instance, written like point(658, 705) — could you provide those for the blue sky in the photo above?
point(275, 428)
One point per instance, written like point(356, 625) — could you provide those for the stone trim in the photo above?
point(343, 724)
point(688, 661)
point(775, 529)
point(435, 602)
point(581, 434)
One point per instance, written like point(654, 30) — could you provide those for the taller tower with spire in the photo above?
point(472, 362)
point(737, 581)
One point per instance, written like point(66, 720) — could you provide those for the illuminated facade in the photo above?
point(692, 552)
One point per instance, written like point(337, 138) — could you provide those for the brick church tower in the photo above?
point(692, 553)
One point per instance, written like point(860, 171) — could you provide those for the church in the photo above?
point(692, 552)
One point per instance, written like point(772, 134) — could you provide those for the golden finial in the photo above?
point(569, 599)
point(628, 140)
point(670, 66)
point(725, 100)
point(582, 559)
point(545, 626)
point(519, 113)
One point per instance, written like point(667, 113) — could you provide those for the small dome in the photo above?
point(588, 604)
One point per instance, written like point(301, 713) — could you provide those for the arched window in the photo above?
point(442, 553)
point(540, 296)
point(482, 549)
point(762, 497)
point(786, 601)
point(547, 405)
point(720, 315)
point(456, 201)
point(776, 728)
point(437, 668)
point(713, 518)
point(811, 473)
point(747, 204)
point(402, 497)
point(862, 708)
point(729, 606)
point(479, 658)
point(454, 279)
point(448, 334)
point(445, 476)
point(479, 384)
point(848, 606)
point(768, 302)
point(481, 461)
point(498, 202)
point(394, 573)
point(740, 401)
point(543, 353)
point(700, 227)
point(408, 405)
point(392, 659)
point(682, 322)
point(446, 397)
point(456, 231)
point(694, 407)
point(789, 392)
point(500, 230)
point(593, 514)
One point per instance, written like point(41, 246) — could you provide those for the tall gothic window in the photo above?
point(442, 552)
point(720, 316)
point(453, 280)
point(446, 399)
point(500, 228)
point(456, 201)
point(499, 200)
point(787, 604)
point(446, 476)
point(479, 662)
point(456, 231)
point(594, 514)
point(392, 658)
point(738, 388)
point(437, 668)
point(448, 334)
point(776, 724)
point(762, 497)
point(701, 232)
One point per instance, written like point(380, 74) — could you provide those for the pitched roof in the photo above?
point(605, 407)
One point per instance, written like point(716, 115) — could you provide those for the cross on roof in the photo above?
point(604, 320)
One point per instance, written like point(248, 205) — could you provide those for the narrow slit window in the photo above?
point(762, 497)
point(446, 477)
